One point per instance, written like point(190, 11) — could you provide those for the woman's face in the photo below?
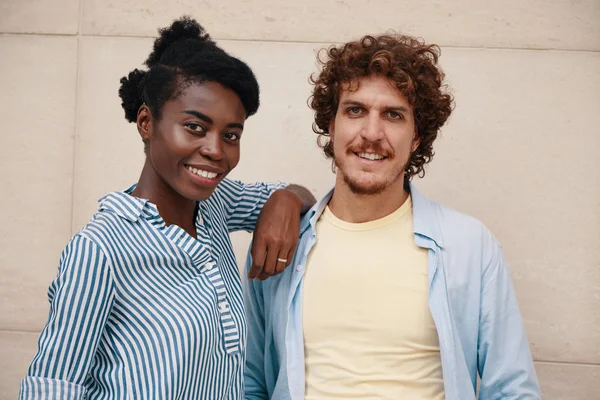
point(196, 142)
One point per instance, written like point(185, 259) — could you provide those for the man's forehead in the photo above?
point(380, 86)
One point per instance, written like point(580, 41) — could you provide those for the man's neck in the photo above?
point(356, 208)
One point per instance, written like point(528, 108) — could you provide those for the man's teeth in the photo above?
point(202, 173)
point(371, 156)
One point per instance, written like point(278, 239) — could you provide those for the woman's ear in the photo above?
point(144, 123)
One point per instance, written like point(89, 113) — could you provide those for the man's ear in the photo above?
point(144, 123)
point(331, 128)
point(415, 142)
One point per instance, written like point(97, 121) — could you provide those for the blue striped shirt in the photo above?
point(141, 310)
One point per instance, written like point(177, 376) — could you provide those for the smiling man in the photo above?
point(390, 295)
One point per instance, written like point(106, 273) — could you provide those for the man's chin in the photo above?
point(364, 188)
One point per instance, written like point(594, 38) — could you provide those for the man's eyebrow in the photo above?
point(397, 108)
point(352, 103)
point(387, 108)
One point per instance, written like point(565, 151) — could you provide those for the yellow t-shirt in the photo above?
point(368, 331)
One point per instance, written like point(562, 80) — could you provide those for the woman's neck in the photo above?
point(173, 208)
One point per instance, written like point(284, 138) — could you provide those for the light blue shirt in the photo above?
point(471, 299)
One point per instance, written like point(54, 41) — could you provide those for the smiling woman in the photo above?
point(148, 303)
point(193, 146)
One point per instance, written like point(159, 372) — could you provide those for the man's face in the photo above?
point(373, 135)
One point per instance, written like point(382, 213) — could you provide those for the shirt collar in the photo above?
point(310, 218)
point(425, 217)
point(123, 204)
point(425, 221)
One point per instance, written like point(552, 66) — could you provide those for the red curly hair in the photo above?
point(405, 60)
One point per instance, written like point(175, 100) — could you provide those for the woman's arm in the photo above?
point(81, 298)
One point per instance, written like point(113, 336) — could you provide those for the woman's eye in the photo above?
point(197, 128)
point(234, 137)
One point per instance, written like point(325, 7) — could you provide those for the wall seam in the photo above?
point(77, 109)
point(549, 362)
point(320, 43)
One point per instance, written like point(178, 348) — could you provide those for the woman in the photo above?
point(147, 303)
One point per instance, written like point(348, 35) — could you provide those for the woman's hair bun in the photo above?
point(181, 29)
point(131, 93)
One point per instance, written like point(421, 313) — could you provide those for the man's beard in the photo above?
point(362, 189)
point(368, 188)
point(365, 188)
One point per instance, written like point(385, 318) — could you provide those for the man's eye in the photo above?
point(233, 137)
point(395, 115)
point(354, 110)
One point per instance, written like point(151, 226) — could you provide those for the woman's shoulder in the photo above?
point(117, 217)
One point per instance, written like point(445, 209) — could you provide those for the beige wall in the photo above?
point(521, 151)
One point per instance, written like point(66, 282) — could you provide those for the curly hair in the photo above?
point(409, 63)
point(183, 54)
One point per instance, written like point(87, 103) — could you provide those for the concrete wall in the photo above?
point(521, 152)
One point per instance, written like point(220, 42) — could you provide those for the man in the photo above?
point(389, 295)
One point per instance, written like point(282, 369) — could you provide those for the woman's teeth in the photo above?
point(202, 173)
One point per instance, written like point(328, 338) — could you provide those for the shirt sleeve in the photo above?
point(504, 361)
point(81, 298)
point(243, 202)
point(255, 387)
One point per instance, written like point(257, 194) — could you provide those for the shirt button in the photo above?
point(299, 268)
point(223, 307)
point(208, 266)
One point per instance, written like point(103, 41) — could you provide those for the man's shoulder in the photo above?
point(468, 246)
point(453, 220)
point(458, 229)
